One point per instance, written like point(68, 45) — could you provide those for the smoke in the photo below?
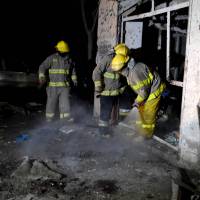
point(74, 143)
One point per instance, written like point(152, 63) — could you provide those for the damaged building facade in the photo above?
point(167, 36)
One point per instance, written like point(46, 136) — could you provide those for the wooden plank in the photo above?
point(165, 143)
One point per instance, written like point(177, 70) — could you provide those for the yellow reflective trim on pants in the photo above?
point(123, 114)
point(58, 84)
point(157, 93)
point(147, 115)
point(111, 75)
point(41, 75)
point(138, 122)
point(110, 92)
point(64, 115)
point(143, 83)
point(74, 77)
point(150, 126)
point(50, 115)
point(97, 83)
point(58, 71)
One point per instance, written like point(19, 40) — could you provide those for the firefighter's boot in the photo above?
point(105, 132)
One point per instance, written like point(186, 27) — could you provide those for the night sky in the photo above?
point(30, 30)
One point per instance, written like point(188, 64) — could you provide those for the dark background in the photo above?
point(30, 30)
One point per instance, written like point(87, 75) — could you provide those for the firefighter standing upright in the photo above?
point(147, 85)
point(58, 71)
point(108, 86)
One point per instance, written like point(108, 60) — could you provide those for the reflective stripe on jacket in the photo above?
point(58, 70)
point(145, 83)
point(109, 82)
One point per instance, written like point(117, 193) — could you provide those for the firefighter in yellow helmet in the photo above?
point(122, 49)
point(58, 71)
point(147, 85)
point(108, 86)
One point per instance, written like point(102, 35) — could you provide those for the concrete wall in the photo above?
point(106, 35)
point(109, 10)
point(190, 132)
point(107, 26)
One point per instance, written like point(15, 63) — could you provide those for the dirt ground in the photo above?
point(71, 161)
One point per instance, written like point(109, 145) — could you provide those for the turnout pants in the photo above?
point(147, 117)
point(57, 96)
point(108, 107)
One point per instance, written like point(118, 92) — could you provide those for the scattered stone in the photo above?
point(23, 169)
point(40, 171)
point(34, 170)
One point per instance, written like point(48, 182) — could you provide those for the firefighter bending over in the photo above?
point(58, 71)
point(147, 85)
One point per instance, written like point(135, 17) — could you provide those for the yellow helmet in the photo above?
point(121, 49)
point(62, 47)
point(118, 62)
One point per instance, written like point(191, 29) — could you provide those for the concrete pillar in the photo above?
point(189, 146)
point(106, 36)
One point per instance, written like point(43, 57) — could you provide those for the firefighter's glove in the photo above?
point(137, 105)
point(97, 94)
point(98, 91)
point(41, 83)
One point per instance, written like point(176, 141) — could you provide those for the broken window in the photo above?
point(178, 33)
point(157, 31)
